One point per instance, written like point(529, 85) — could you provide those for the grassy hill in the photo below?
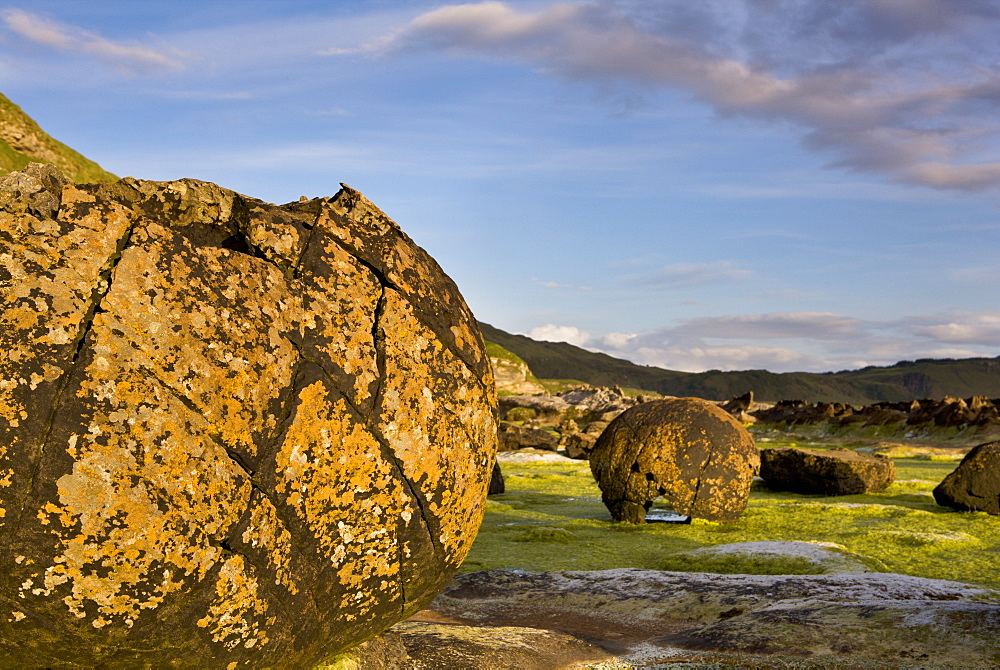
point(908, 380)
point(22, 141)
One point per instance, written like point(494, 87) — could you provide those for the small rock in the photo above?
point(579, 445)
point(496, 481)
point(514, 437)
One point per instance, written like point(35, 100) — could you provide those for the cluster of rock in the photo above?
point(574, 421)
point(232, 434)
point(977, 411)
point(570, 421)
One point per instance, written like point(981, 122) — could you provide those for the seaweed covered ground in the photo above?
point(551, 518)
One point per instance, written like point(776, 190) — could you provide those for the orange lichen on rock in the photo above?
point(433, 411)
point(238, 615)
point(233, 433)
point(331, 471)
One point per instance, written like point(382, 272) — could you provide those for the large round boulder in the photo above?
point(686, 450)
point(975, 484)
point(232, 434)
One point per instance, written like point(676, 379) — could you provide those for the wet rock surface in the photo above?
point(645, 617)
point(431, 645)
point(233, 434)
point(975, 484)
point(686, 450)
point(830, 472)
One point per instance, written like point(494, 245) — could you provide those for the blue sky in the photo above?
point(726, 184)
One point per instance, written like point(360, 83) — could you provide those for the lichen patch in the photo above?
point(332, 474)
point(439, 424)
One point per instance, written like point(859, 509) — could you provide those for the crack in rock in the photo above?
point(101, 287)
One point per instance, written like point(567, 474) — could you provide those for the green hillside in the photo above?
point(908, 380)
point(22, 141)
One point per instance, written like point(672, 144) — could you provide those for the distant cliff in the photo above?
point(22, 141)
point(904, 381)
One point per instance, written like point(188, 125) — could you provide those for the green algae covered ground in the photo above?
point(552, 518)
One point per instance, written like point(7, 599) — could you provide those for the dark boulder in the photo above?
point(883, 413)
point(781, 411)
point(687, 450)
point(975, 483)
point(497, 485)
point(579, 444)
point(954, 412)
point(514, 437)
point(833, 472)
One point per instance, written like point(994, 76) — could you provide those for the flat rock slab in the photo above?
point(829, 472)
point(774, 557)
point(645, 617)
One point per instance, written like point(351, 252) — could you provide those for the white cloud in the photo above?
point(792, 341)
point(128, 58)
point(982, 328)
point(739, 342)
point(881, 96)
point(781, 325)
point(616, 340)
point(742, 357)
point(553, 333)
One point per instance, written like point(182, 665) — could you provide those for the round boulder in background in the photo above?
point(686, 450)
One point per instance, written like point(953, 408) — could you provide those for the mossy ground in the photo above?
point(551, 518)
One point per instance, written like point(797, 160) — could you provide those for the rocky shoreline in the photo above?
point(629, 618)
point(570, 422)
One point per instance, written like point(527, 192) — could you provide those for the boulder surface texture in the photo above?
point(829, 472)
point(975, 484)
point(233, 434)
point(687, 450)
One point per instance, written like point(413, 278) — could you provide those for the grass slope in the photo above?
point(908, 380)
point(22, 141)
